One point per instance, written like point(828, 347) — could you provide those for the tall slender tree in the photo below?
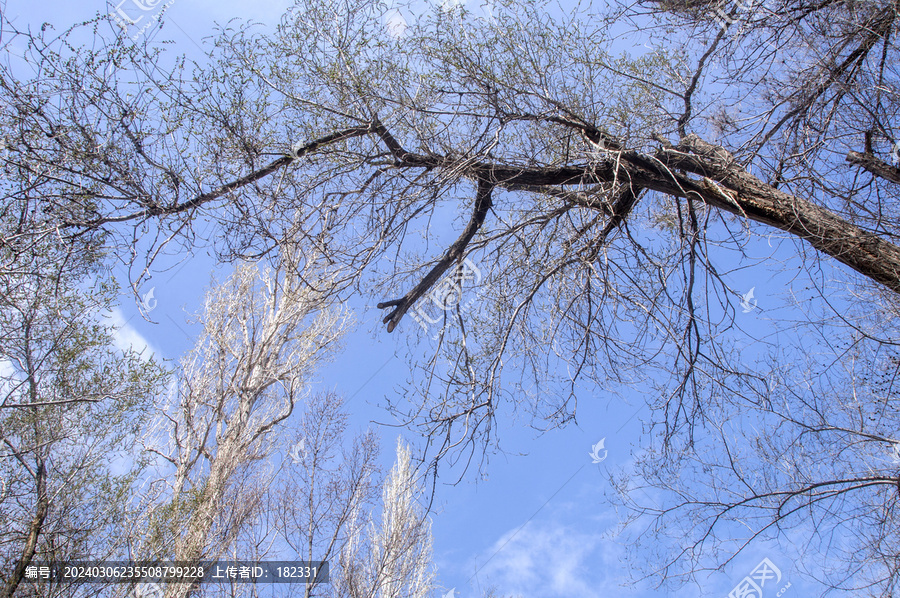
point(71, 406)
point(263, 333)
point(392, 558)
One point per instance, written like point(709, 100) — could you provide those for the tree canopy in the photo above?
point(599, 176)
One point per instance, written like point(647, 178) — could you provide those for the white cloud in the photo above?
point(6, 368)
point(127, 337)
point(543, 560)
point(9, 378)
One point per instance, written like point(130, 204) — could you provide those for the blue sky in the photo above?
point(536, 524)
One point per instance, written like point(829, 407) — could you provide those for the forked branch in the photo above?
point(454, 253)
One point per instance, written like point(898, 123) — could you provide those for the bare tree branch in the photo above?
point(878, 167)
point(454, 254)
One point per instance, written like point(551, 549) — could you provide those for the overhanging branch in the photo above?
point(229, 187)
point(745, 195)
point(454, 253)
point(877, 167)
point(724, 185)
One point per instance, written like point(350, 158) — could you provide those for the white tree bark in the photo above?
point(263, 334)
point(395, 560)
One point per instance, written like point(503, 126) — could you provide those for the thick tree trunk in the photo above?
point(743, 194)
point(877, 167)
point(726, 186)
point(34, 532)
